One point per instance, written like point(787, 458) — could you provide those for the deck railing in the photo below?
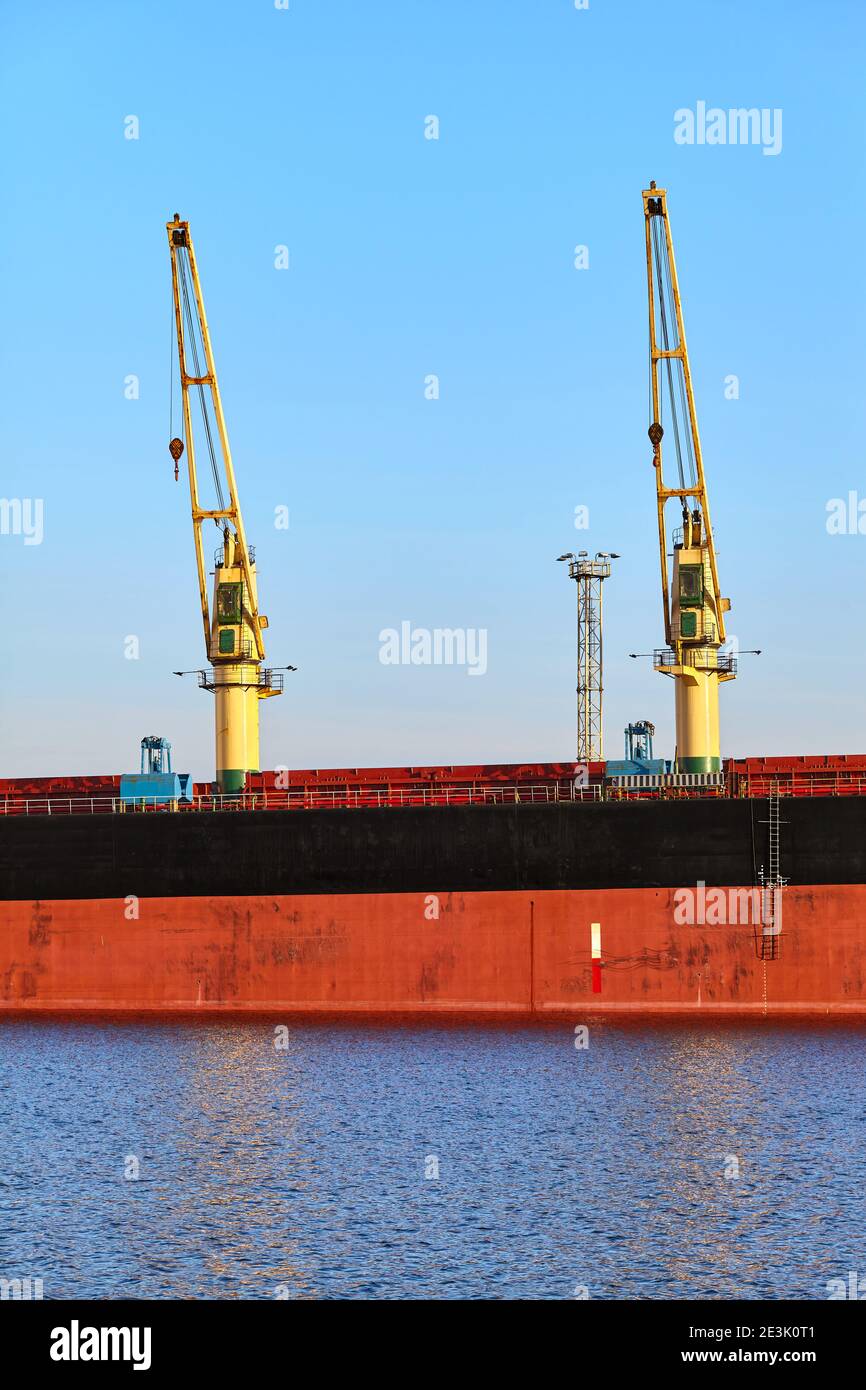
point(332, 798)
point(351, 798)
point(818, 784)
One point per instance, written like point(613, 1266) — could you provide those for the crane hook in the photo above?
point(175, 448)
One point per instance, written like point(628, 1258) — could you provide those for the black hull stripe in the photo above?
point(651, 844)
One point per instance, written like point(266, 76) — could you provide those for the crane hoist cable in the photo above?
point(665, 337)
point(193, 345)
point(680, 374)
point(171, 430)
point(666, 306)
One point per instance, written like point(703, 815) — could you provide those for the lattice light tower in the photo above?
point(589, 573)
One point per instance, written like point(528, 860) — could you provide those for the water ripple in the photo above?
point(394, 1162)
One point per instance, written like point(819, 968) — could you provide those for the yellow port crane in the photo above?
point(233, 629)
point(694, 610)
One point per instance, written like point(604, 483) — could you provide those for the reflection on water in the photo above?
point(303, 1170)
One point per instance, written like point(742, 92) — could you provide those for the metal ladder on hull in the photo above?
point(770, 940)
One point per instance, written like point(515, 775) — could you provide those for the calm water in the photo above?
point(305, 1168)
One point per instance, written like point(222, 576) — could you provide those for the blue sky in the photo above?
point(411, 257)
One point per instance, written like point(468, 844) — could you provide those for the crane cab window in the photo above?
point(691, 586)
point(229, 603)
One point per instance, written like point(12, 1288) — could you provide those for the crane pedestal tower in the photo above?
point(233, 625)
point(694, 610)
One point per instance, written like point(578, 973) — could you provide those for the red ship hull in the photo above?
point(495, 953)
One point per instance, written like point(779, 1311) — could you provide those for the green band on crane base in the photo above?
point(699, 764)
point(231, 780)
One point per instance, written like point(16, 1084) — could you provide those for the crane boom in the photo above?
point(233, 625)
point(693, 607)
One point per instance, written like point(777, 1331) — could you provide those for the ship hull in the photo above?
point(516, 911)
point(510, 953)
